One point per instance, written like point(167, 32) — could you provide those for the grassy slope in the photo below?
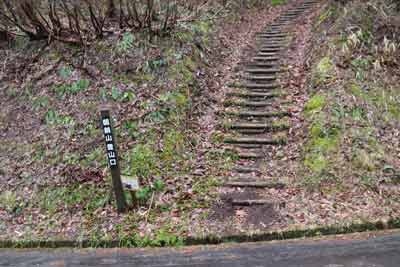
point(354, 113)
point(55, 182)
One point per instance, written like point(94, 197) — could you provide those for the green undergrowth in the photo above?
point(353, 108)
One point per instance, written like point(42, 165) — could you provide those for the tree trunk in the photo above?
point(4, 37)
point(111, 9)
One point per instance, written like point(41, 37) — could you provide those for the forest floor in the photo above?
point(341, 163)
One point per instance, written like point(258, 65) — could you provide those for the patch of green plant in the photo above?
point(131, 128)
point(204, 186)
point(278, 2)
point(281, 124)
point(126, 96)
point(95, 157)
point(162, 238)
point(325, 66)
point(183, 71)
point(360, 66)
point(184, 36)
point(53, 118)
point(144, 77)
point(9, 201)
point(356, 90)
point(222, 159)
point(84, 197)
point(143, 161)
point(364, 160)
point(90, 130)
point(12, 92)
point(176, 100)
point(387, 102)
point(173, 145)
point(144, 193)
point(315, 104)
point(40, 102)
point(325, 15)
point(217, 137)
point(358, 114)
point(171, 107)
point(65, 72)
point(154, 65)
point(73, 88)
point(202, 26)
point(71, 158)
point(323, 141)
point(158, 116)
point(126, 43)
point(323, 70)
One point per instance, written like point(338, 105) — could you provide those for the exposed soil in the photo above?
point(261, 216)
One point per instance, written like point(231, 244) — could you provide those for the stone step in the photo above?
point(287, 18)
point(271, 46)
point(294, 12)
point(254, 94)
point(275, 28)
point(262, 70)
point(261, 78)
point(277, 36)
point(258, 58)
point(262, 114)
point(250, 155)
point(266, 54)
point(290, 14)
point(255, 125)
point(270, 85)
point(254, 140)
point(270, 49)
point(276, 40)
point(246, 169)
point(254, 104)
point(256, 184)
point(272, 40)
point(275, 32)
point(249, 146)
point(263, 64)
point(291, 20)
point(300, 8)
point(250, 131)
point(255, 86)
point(278, 24)
point(271, 35)
point(272, 32)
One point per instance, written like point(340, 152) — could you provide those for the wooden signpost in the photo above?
point(112, 157)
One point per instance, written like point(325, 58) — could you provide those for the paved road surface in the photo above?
point(348, 251)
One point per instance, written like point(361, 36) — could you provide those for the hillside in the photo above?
point(240, 119)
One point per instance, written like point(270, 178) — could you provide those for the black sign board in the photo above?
point(112, 157)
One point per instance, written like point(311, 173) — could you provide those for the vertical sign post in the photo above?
point(112, 157)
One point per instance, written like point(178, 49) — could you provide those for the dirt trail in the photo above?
point(257, 120)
